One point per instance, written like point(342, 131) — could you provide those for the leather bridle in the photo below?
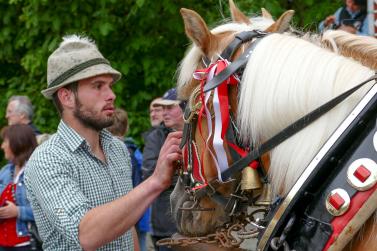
point(197, 189)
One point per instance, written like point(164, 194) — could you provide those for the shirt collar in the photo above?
point(75, 140)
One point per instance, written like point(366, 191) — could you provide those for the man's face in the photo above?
point(173, 117)
point(94, 102)
point(155, 115)
point(12, 115)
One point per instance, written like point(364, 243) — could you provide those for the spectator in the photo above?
point(351, 18)
point(155, 112)
point(79, 181)
point(15, 212)
point(120, 129)
point(155, 116)
point(20, 111)
point(162, 222)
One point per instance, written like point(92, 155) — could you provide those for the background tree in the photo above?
point(144, 40)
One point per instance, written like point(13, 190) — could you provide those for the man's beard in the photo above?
point(89, 119)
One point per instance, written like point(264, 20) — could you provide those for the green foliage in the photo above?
point(145, 40)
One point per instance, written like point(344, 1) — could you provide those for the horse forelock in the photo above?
point(286, 78)
point(194, 55)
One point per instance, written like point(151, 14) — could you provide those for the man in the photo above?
point(162, 222)
point(351, 18)
point(20, 111)
point(79, 181)
point(155, 117)
point(155, 112)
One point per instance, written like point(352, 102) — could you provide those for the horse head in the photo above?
point(200, 217)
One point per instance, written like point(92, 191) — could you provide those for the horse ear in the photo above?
point(237, 15)
point(196, 29)
point(282, 23)
point(266, 14)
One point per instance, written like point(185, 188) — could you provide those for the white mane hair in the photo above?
point(193, 55)
point(286, 78)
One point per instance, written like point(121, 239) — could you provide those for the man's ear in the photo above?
point(66, 97)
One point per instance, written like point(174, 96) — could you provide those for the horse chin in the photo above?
point(193, 222)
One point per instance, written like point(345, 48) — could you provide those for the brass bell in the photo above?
point(265, 198)
point(250, 179)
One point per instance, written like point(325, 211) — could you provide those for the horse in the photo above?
point(286, 77)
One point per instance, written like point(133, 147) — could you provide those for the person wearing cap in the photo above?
point(79, 180)
point(351, 18)
point(162, 222)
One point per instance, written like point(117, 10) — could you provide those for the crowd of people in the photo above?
point(89, 185)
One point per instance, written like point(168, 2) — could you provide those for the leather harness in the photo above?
point(210, 189)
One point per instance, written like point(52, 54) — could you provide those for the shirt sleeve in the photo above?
point(337, 16)
point(50, 182)
point(364, 31)
point(25, 213)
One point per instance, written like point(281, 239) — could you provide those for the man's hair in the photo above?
point(120, 125)
point(23, 106)
point(22, 142)
point(55, 99)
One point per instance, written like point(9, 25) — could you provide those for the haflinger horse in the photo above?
point(274, 125)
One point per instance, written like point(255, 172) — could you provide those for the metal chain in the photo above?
point(228, 237)
point(278, 242)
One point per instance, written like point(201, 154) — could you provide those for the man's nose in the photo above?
point(110, 95)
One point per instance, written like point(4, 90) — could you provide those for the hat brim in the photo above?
point(89, 72)
point(166, 102)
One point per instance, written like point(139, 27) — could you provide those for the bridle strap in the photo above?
point(237, 64)
point(239, 39)
point(286, 133)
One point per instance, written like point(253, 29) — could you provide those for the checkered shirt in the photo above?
point(65, 180)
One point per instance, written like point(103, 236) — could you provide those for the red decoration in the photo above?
point(8, 231)
point(362, 173)
point(336, 201)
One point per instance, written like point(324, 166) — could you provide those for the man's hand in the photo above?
point(329, 20)
point(10, 210)
point(348, 28)
point(170, 152)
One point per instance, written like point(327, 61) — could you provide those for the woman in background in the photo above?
point(18, 143)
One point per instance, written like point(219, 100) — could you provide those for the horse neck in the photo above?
point(285, 79)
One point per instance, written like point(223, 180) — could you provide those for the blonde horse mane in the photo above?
point(361, 48)
point(285, 78)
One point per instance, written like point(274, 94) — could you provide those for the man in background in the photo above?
point(351, 18)
point(155, 116)
point(20, 111)
point(163, 225)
